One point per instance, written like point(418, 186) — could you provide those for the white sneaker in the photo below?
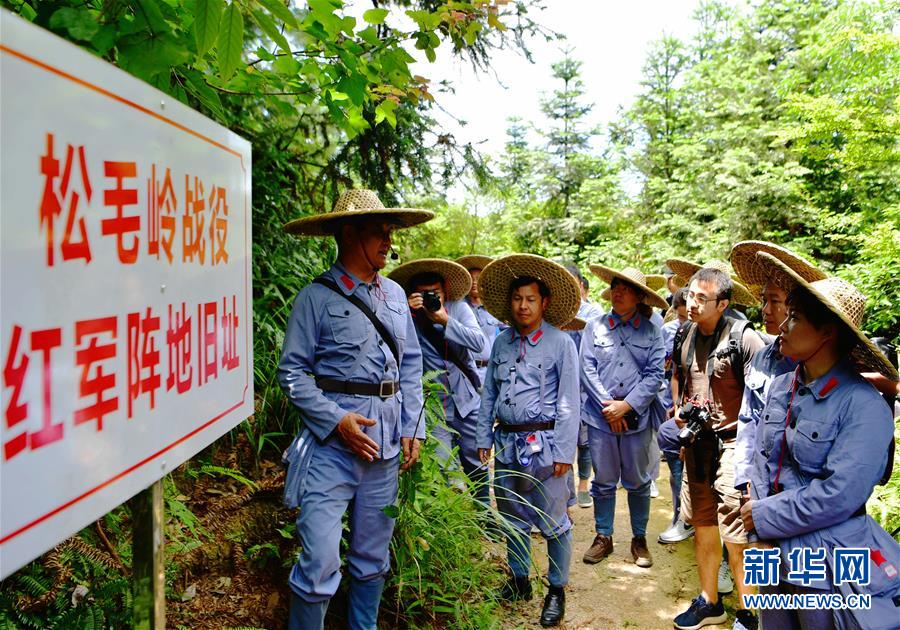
point(677, 532)
point(726, 584)
point(654, 490)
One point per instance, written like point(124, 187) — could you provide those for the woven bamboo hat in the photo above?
point(743, 259)
point(474, 261)
point(632, 277)
point(841, 298)
point(576, 324)
point(457, 280)
point(684, 269)
point(495, 279)
point(655, 281)
point(356, 202)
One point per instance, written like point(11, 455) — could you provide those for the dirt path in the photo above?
point(615, 593)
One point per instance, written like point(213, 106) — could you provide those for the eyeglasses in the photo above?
point(700, 299)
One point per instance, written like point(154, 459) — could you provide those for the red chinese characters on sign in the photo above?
point(178, 342)
point(100, 337)
point(230, 358)
point(193, 236)
point(65, 208)
point(143, 358)
point(207, 343)
point(161, 207)
point(118, 198)
point(96, 353)
point(61, 194)
point(15, 369)
point(218, 225)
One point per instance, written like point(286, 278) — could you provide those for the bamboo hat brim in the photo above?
point(632, 277)
point(841, 298)
point(474, 261)
point(685, 269)
point(576, 324)
point(655, 281)
point(457, 281)
point(743, 259)
point(496, 278)
point(353, 203)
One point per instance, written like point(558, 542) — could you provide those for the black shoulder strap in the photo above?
point(379, 326)
point(677, 345)
point(736, 347)
point(456, 354)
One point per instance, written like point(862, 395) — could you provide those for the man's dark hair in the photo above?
point(424, 278)
point(524, 281)
point(722, 281)
point(819, 315)
point(679, 298)
point(572, 269)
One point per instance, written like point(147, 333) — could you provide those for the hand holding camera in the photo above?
point(429, 302)
point(696, 416)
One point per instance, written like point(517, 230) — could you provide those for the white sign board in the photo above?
point(125, 299)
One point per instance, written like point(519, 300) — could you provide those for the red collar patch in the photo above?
point(348, 282)
point(536, 336)
point(831, 384)
point(612, 322)
point(636, 321)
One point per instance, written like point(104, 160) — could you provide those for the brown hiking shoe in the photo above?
point(640, 553)
point(600, 548)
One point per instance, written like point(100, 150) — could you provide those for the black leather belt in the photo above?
point(384, 389)
point(527, 428)
point(481, 363)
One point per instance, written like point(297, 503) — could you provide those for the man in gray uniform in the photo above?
point(350, 356)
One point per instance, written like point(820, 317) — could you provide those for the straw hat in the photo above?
point(632, 277)
point(576, 324)
point(842, 299)
point(457, 280)
point(355, 202)
point(655, 281)
point(684, 269)
point(743, 259)
point(474, 261)
point(495, 279)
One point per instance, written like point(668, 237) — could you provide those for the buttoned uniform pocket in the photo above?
point(774, 417)
point(640, 351)
point(811, 442)
point(604, 345)
point(399, 311)
point(348, 324)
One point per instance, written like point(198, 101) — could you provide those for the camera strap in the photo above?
point(453, 352)
point(358, 303)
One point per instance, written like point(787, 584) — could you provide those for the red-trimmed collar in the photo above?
point(348, 282)
point(614, 320)
point(534, 338)
point(823, 386)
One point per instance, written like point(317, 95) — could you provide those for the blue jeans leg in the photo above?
point(639, 510)
point(559, 550)
point(518, 552)
point(604, 513)
point(676, 471)
point(306, 615)
point(364, 600)
point(584, 462)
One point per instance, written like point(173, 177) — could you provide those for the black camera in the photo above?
point(431, 301)
point(696, 420)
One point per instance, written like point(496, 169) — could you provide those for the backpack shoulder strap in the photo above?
point(677, 345)
point(362, 306)
point(736, 347)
